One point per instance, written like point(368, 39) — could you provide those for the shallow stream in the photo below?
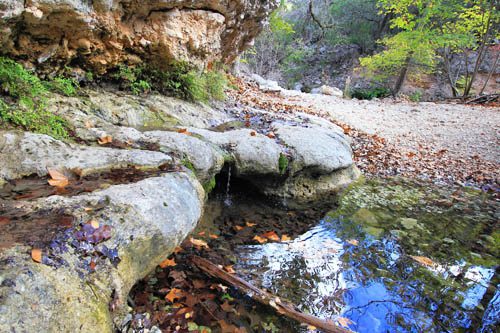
point(394, 256)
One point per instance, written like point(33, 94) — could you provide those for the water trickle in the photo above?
point(227, 200)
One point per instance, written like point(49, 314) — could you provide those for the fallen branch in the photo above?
point(266, 298)
point(483, 99)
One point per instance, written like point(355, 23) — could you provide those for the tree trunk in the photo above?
point(493, 68)
point(402, 76)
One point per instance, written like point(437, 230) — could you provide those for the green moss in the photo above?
point(282, 164)
point(23, 103)
point(187, 163)
point(63, 86)
point(210, 185)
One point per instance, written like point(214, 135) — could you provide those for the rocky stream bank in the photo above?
point(128, 189)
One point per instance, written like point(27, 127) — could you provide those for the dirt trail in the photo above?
point(464, 131)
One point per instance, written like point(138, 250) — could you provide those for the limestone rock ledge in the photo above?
point(102, 33)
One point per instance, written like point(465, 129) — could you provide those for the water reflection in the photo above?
point(338, 269)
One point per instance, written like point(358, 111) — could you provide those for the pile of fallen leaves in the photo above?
point(373, 154)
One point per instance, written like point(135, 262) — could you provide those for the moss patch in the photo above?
point(282, 164)
point(210, 185)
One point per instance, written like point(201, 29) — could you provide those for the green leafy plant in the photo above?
point(140, 87)
point(210, 185)
point(63, 86)
point(282, 163)
point(370, 93)
point(23, 103)
point(416, 96)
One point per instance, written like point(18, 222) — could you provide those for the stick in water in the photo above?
point(261, 296)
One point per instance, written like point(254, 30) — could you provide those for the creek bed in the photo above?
point(393, 256)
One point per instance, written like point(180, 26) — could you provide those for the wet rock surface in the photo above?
point(86, 274)
point(102, 232)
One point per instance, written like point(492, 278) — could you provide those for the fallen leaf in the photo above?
point(36, 255)
point(105, 139)
point(178, 249)
point(202, 233)
point(58, 179)
point(250, 224)
point(227, 307)
point(229, 269)
point(253, 133)
point(174, 294)
point(424, 261)
point(238, 227)
point(285, 238)
point(168, 263)
point(271, 135)
point(213, 236)
point(353, 242)
point(94, 224)
point(92, 265)
point(271, 235)
point(345, 322)
point(260, 239)
point(311, 328)
point(198, 243)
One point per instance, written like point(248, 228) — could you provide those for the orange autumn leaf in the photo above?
point(213, 236)
point(271, 135)
point(238, 227)
point(36, 255)
point(198, 243)
point(229, 269)
point(250, 224)
point(253, 133)
point(271, 235)
point(260, 239)
point(353, 242)
point(174, 294)
point(58, 179)
point(168, 263)
point(285, 238)
point(345, 322)
point(202, 233)
point(424, 261)
point(105, 139)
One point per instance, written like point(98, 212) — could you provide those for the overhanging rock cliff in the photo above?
point(100, 34)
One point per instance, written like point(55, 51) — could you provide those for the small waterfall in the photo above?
point(227, 200)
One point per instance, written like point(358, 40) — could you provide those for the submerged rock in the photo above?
point(146, 219)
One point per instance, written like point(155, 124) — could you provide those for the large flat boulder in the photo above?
point(146, 220)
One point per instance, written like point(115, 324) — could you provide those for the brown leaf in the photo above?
point(271, 135)
point(36, 255)
point(260, 239)
point(58, 179)
point(253, 133)
point(198, 243)
point(250, 224)
point(271, 235)
point(227, 307)
point(229, 269)
point(345, 322)
point(238, 227)
point(167, 263)
point(213, 236)
point(105, 139)
point(424, 261)
point(285, 238)
point(174, 294)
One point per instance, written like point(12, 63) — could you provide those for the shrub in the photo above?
point(416, 96)
point(23, 103)
point(370, 93)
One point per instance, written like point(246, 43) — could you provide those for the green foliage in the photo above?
point(187, 163)
point(282, 164)
point(184, 81)
point(63, 86)
point(416, 96)
point(426, 27)
point(24, 101)
point(210, 185)
point(140, 87)
point(375, 92)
